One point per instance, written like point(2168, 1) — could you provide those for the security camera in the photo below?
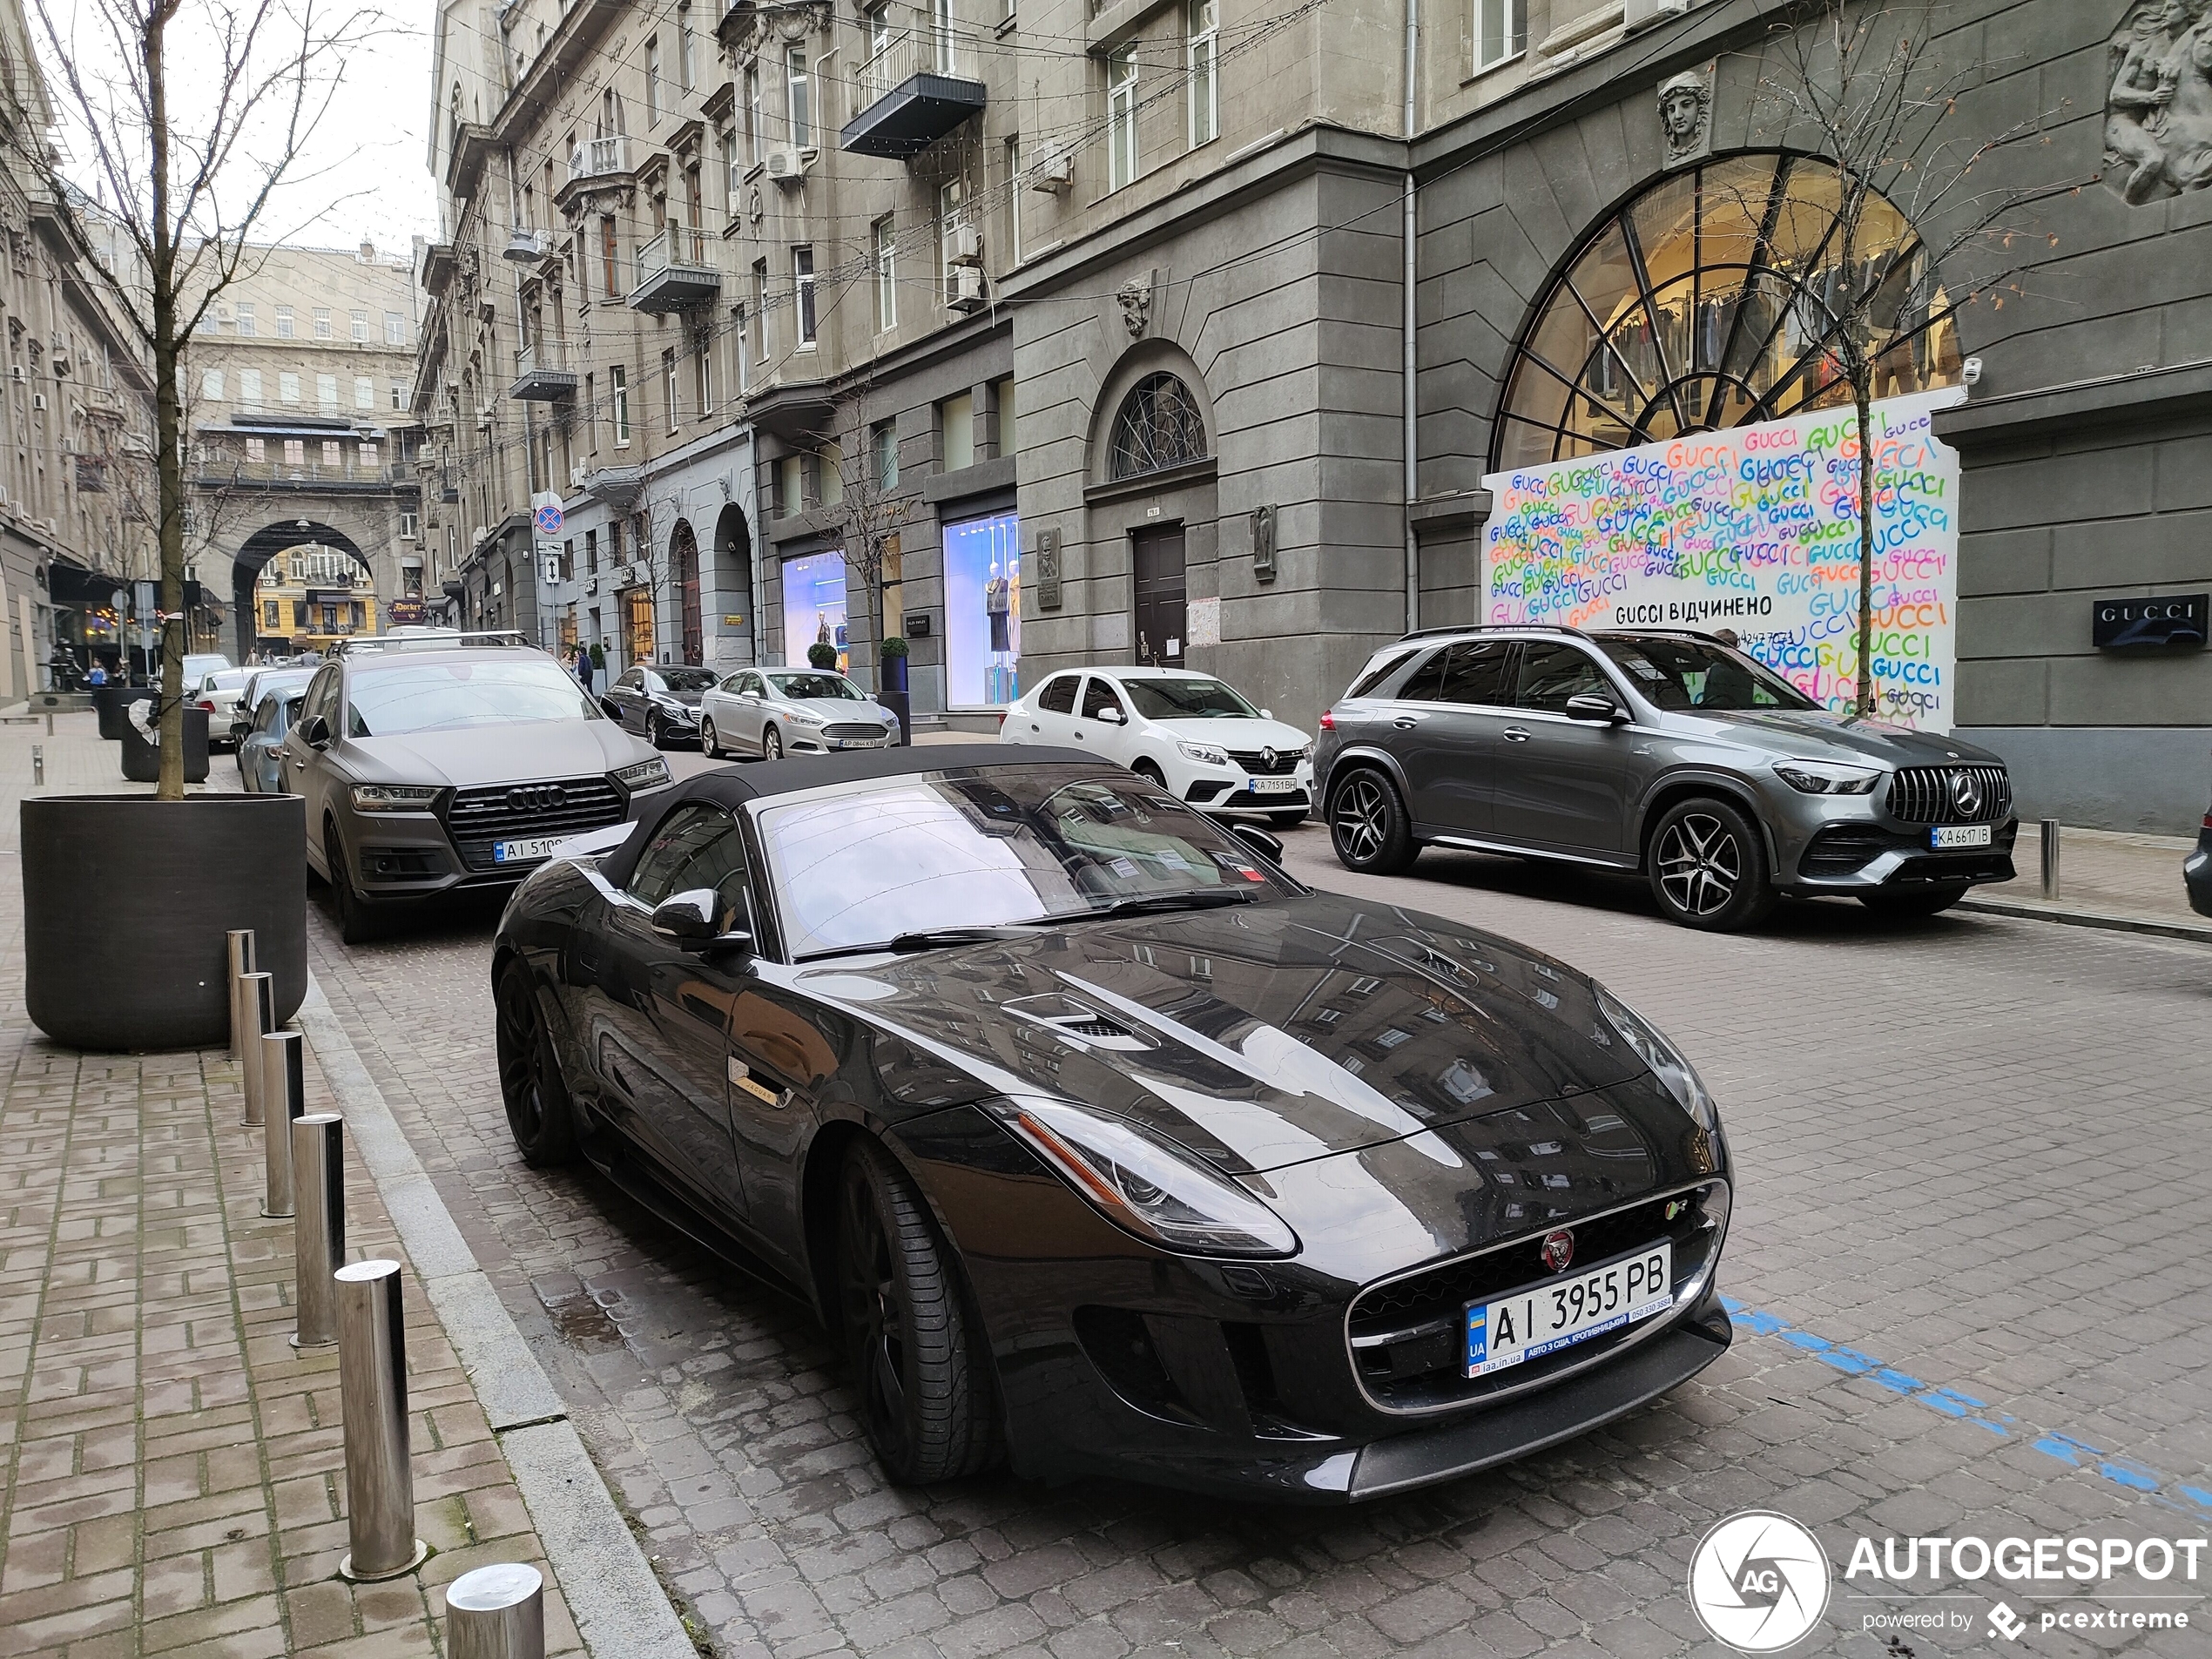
point(1970, 371)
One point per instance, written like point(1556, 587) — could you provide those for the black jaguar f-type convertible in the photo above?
point(1104, 1145)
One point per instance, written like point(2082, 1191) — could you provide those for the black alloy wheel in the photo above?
point(530, 1085)
point(917, 1362)
point(1367, 825)
point(656, 729)
point(710, 740)
point(771, 743)
point(357, 922)
point(1924, 901)
point(1709, 867)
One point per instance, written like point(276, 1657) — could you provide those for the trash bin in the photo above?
point(142, 760)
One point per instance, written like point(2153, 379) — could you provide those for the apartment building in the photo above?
point(76, 412)
point(311, 597)
point(299, 387)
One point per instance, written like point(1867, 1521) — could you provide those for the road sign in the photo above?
point(547, 518)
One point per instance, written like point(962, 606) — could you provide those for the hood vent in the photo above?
point(1089, 1026)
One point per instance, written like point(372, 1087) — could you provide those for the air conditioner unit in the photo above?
point(967, 288)
point(61, 363)
point(967, 245)
point(785, 166)
point(1053, 174)
point(575, 477)
point(15, 372)
point(1637, 14)
point(38, 400)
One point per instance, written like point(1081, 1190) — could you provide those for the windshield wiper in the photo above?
point(922, 939)
point(1154, 903)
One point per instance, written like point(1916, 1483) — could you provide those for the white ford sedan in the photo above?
point(1190, 732)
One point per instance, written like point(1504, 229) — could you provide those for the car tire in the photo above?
point(357, 922)
point(530, 1085)
point(1149, 771)
point(657, 731)
point(1368, 826)
point(1287, 820)
point(1927, 901)
point(919, 1363)
point(1708, 867)
point(709, 741)
point(771, 743)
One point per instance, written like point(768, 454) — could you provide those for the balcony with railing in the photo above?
point(543, 373)
point(675, 272)
point(226, 471)
point(908, 96)
point(596, 158)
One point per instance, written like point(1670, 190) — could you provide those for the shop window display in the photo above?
point(983, 612)
point(814, 606)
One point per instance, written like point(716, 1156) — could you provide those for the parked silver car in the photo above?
point(775, 711)
point(435, 765)
point(260, 746)
point(221, 691)
point(1665, 752)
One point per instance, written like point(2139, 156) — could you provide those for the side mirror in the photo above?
point(239, 729)
point(1111, 716)
point(1603, 709)
point(314, 732)
point(690, 920)
point(1267, 714)
point(611, 709)
point(1259, 840)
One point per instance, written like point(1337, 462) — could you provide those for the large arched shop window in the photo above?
point(1707, 302)
point(1158, 426)
point(684, 549)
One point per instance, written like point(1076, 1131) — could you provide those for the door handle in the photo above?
point(1406, 722)
point(1516, 734)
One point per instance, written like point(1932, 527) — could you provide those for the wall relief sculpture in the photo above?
point(1686, 115)
point(2158, 105)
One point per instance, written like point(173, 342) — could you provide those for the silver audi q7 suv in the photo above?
point(1654, 751)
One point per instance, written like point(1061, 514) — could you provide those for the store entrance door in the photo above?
point(1159, 562)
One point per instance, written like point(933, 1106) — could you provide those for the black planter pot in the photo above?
point(114, 703)
point(126, 900)
point(142, 760)
point(895, 696)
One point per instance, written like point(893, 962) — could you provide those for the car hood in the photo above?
point(1259, 1038)
point(689, 700)
point(495, 754)
point(1814, 734)
point(1246, 735)
point(832, 709)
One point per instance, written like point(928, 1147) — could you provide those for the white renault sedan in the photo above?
point(1190, 732)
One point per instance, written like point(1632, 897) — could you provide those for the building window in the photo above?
point(941, 35)
point(1500, 32)
point(652, 81)
point(610, 257)
point(1014, 197)
point(364, 392)
point(956, 431)
point(410, 530)
point(399, 395)
point(245, 321)
point(395, 328)
point(332, 453)
point(883, 445)
point(791, 485)
point(949, 196)
point(1158, 426)
point(284, 322)
point(370, 455)
point(257, 450)
point(668, 388)
point(211, 385)
point(618, 399)
point(1002, 416)
point(327, 392)
point(886, 276)
point(1205, 17)
point(761, 346)
point(796, 90)
point(1732, 330)
point(270, 612)
point(288, 387)
point(249, 388)
point(295, 452)
point(686, 60)
point(322, 322)
point(754, 129)
point(802, 283)
point(703, 374)
point(1121, 116)
point(731, 169)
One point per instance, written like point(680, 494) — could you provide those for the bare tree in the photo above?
point(188, 195)
point(875, 515)
point(1878, 90)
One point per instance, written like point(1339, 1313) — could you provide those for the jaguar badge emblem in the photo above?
point(1558, 1249)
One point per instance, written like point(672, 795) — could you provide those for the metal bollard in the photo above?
point(284, 1097)
point(50, 723)
point(38, 759)
point(2051, 857)
point(496, 1612)
point(240, 942)
point(259, 992)
point(318, 1225)
point(372, 1392)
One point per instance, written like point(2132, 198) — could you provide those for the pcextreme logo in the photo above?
point(1759, 1581)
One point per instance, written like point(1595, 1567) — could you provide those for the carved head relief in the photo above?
point(1135, 298)
point(1685, 114)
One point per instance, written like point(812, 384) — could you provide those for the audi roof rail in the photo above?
point(1493, 628)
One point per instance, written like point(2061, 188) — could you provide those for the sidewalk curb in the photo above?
point(2194, 932)
point(618, 1605)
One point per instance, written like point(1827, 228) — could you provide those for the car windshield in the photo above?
point(1187, 699)
point(682, 680)
point(1699, 674)
point(909, 855)
point(446, 697)
point(799, 687)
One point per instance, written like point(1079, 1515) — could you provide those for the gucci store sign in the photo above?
point(2163, 619)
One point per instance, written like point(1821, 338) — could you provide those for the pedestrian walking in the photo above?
point(98, 676)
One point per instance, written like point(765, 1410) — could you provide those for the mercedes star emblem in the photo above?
point(1965, 792)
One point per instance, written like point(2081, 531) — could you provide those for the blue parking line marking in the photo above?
point(2165, 1490)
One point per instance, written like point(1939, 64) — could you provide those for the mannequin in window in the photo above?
point(998, 600)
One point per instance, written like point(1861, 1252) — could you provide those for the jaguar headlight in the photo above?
point(1679, 1077)
point(1143, 1186)
point(645, 774)
point(393, 798)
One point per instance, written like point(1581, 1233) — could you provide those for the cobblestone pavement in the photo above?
point(1976, 1166)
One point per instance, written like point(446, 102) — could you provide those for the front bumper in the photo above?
point(2196, 875)
point(1851, 856)
point(414, 855)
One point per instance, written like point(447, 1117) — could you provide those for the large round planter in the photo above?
point(142, 756)
point(126, 902)
point(113, 703)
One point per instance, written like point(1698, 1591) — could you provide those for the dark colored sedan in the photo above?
point(1104, 1145)
point(660, 705)
point(2196, 871)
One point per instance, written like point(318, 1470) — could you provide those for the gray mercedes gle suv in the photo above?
point(1654, 751)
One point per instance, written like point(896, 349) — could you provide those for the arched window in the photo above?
point(1157, 425)
point(1711, 301)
